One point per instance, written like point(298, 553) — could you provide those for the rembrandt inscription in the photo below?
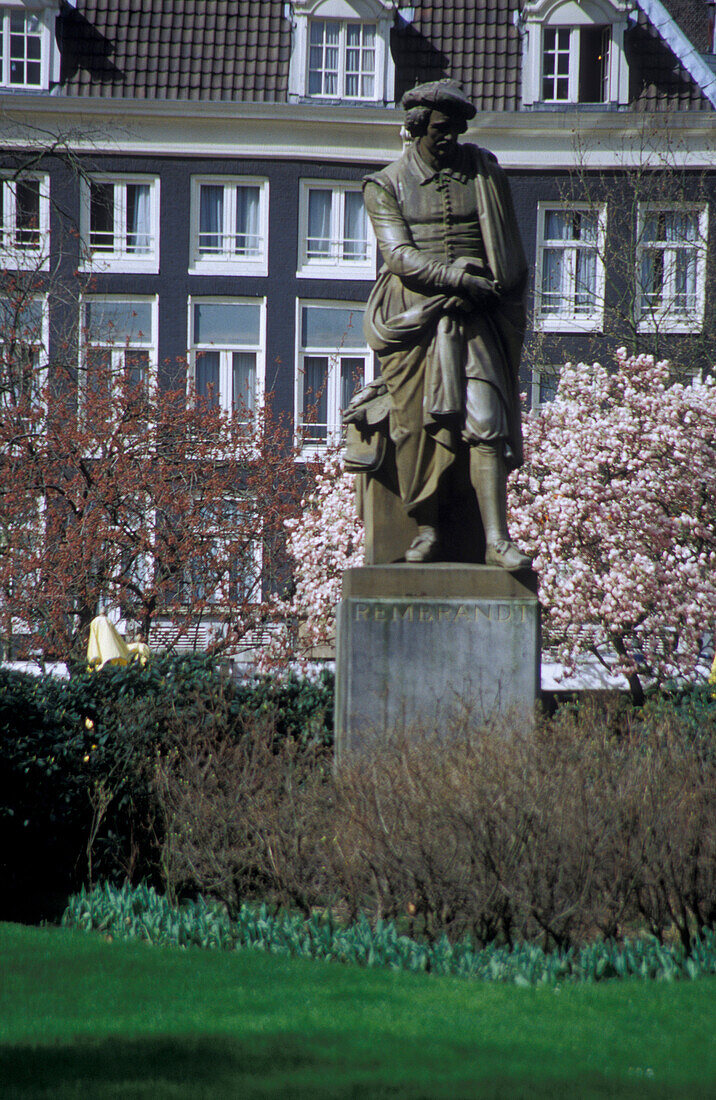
point(415, 611)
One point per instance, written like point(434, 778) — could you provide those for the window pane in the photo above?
point(585, 225)
point(586, 282)
point(324, 327)
point(211, 218)
point(27, 233)
point(119, 322)
point(558, 225)
point(553, 281)
point(136, 367)
point(355, 237)
point(102, 217)
point(21, 321)
point(352, 378)
point(548, 382)
point(99, 372)
point(243, 367)
point(684, 281)
point(227, 323)
point(247, 221)
point(206, 379)
point(315, 396)
point(318, 242)
point(555, 64)
point(138, 218)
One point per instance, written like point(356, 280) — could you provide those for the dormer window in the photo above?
point(575, 64)
point(341, 59)
point(340, 51)
point(574, 53)
point(28, 55)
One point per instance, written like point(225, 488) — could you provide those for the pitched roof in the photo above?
point(176, 49)
point(240, 50)
point(474, 42)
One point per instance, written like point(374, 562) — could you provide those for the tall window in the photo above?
point(119, 354)
point(575, 64)
point(23, 345)
point(336, 236)
point(22, 40)
point(227, 342)
point(342, 59)
point(25, 222)
point(671, 267)
point(229, 225)
point(334, 362)
point(545, 380)
point(570, 266)
point(227, 570)
point(120, 223)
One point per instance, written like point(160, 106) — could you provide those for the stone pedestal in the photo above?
point(419, 646)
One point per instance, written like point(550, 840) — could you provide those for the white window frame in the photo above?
point(12, 256)
point(571, 322)
point(228, 262)
point(665, 320)
point(226, 350)
point(380, 13)
point(42, 349)
point(46, 12)
point(120, 259)
point(117, 348)
point(310, 448)
point(334, 266)
point(540, 15)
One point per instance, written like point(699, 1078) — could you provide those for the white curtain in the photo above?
point(247, 221)
point(207, 376)
point(211, 218)
point(319, 223)
point(315, 395)
point(244, 383)
point(139, 228)
point(355, 236)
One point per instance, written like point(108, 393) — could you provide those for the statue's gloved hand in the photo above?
point(477, 287)
point(473, 282)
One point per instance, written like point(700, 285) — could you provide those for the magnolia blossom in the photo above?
point(616, 500)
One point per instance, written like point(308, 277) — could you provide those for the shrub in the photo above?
point(78, 756)
point(245, 818)
point(565, 832)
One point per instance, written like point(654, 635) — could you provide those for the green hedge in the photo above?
point(77, 758)
point(141, 913)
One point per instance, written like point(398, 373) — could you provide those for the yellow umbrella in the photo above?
point(106, 645)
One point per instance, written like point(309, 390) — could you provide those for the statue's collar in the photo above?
point(460, 169)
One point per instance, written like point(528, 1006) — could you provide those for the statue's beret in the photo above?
point(440, 95)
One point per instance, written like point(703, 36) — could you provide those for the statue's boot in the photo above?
point(424, 546)
point(489, 480)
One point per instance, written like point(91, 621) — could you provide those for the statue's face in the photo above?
point(439, 141)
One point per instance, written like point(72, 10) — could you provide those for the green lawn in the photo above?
point(83, 1017)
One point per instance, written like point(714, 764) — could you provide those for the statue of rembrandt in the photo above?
point(446, 318)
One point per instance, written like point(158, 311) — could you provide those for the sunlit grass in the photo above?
point(83, 1017)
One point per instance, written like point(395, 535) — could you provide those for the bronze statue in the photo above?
point(446, 318)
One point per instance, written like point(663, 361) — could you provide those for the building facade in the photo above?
point(188, 174)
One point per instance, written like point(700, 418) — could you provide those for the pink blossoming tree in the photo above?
point(617, 500)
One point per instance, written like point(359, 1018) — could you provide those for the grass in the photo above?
point(83, 1017)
